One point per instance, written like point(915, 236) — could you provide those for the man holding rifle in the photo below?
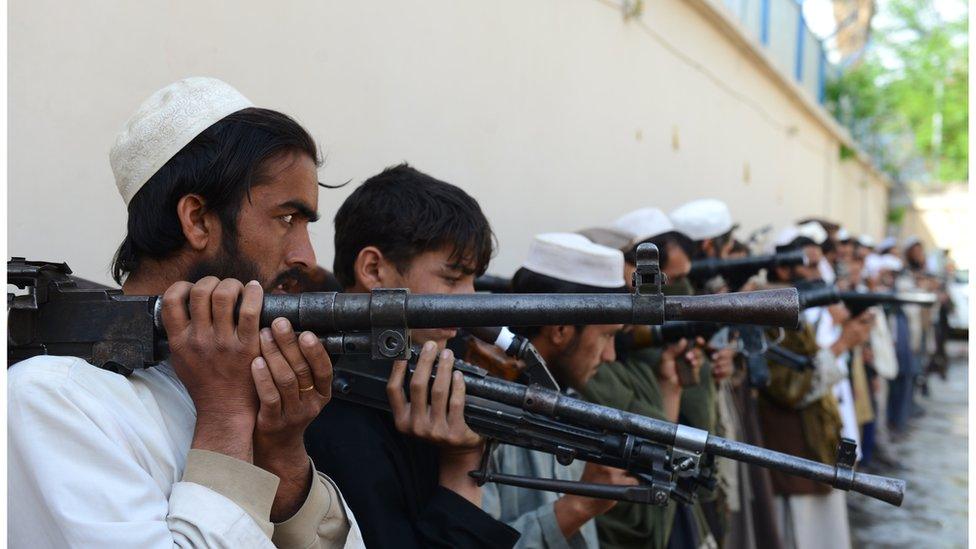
point(405, 229)
point(561, 263)
point(205, 449)
point(651, 382)
point(799, 410)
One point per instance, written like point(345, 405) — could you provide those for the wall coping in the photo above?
point(716, 14)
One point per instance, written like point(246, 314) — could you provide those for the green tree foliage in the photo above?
point(906, 100)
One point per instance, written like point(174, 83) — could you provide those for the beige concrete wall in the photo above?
point(942, 219)
point(555, 114)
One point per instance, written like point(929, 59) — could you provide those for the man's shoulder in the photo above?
point(55, 372)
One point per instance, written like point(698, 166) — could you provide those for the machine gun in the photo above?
point(858, 302)
point(124, 333)
point(736, 271)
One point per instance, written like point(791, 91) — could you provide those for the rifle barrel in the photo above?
point(327, 312)
point(703, 269)
point(554, 404)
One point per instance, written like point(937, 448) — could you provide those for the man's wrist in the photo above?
point(285, 460)
point(227, 434)
point(839, 347)
point(571, 512)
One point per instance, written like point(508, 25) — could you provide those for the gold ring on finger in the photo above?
point(306, 389)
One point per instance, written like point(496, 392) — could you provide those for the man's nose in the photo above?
point(609, 352)
point(301, 253)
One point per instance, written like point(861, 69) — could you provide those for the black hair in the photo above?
point(797, 243)
point(914, 265)
point(739, 246)
point(663, 242)
point(718, 243)
point(404, 213)
point(221, 164)
point(531, 282)
point(828, 246)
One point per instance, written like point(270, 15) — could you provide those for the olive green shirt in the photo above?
point(631, 386)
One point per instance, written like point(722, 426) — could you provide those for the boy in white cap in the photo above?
point(205, 449)
point(708, 222)
point(561, 263)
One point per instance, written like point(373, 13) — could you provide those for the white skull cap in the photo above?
point(703, 218)
point(888, 243)
point(644, 223)
point(165, 123)
point(572, 258)
point(866, 240)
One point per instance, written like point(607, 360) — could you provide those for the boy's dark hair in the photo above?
point(531, 282)
point(739, 247)
point(663, 243)
point(221, 165)
point(797, 243)
point(718, 242)
point(404, 213)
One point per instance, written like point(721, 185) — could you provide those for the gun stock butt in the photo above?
point(779, 307)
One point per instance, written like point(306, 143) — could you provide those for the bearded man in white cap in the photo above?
point(650, 381)
point(709, 402)
point(560, 263)
point(205, 449)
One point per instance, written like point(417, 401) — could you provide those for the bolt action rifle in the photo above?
point(123, 333)
point(817, 295)
point(737, 270)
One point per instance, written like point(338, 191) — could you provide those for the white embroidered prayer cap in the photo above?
point(572, 258)
point(911, 241)
point(165, 123)
point(891, 263)
point(703, 218)
point(866, 240)
point(644, 223)
point(887, 244)
point(811, 230)
point(609, 237)
point(843, 235)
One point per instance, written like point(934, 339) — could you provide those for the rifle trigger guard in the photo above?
point(689, 446)
point(844, 470)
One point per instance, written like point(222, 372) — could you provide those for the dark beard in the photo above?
point(229, 263)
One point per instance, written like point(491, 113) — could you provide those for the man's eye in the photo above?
point(287, 218)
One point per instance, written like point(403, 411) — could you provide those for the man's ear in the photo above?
point(371, 269)
point(200, 226)
point(708, 246)
point(559, 336)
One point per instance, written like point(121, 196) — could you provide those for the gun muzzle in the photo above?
point(779, 307)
